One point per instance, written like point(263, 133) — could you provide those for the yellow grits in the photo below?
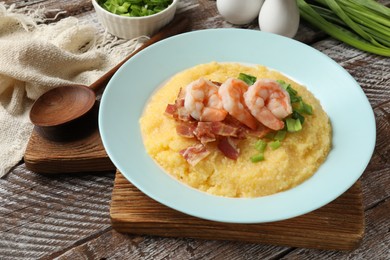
point(297, 159)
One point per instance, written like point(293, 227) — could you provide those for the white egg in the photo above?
point(279, 17)
point(239, 11)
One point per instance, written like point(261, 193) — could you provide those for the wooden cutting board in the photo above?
point(86, 154)
point(336, 226)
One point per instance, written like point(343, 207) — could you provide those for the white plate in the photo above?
point(342, 98)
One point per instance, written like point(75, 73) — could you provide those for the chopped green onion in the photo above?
point(308, 109)
point(299, 107)
point(134, 8)
point(303, 108)
point(123, 8)
point(257, 158)
point(362, 24)
point(286, 86)
point(280, 135)
point(275, 144)
point(292, 92)
point(260, 145)
point(294, 98)
point(270, 135)
point(297, 115)
point(293, 125)
point(282, 83)
point(248, 79)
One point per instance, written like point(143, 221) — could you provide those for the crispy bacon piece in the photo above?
point(186, 129)
point(171, 110)
point(219, 128)
point(207, 132)
point(242, 129)
point(204, 133)
point(222, 129)
point(182, 113)
point(177, 110)
point(194, 154)
point(228, 146)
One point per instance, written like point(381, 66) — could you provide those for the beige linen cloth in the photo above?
point(35, 57)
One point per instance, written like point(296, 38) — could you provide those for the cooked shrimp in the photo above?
point(268, 102)
point(203, 102)
point(231, 93)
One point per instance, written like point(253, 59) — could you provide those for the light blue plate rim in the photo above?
point(342, 98)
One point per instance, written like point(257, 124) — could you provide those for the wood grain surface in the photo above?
point(336, 226)
point(67, 216)
point(85, 154)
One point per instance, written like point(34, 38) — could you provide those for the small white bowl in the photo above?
point(132, 27)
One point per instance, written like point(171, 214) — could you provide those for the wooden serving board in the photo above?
point(336, 226)
point(86, 154)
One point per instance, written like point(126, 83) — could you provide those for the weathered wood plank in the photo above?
point(114, 245)
point(375, 244)
point(41, 215)
point(376, 180)
point(72, 7)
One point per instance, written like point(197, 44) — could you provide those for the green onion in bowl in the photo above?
point(134, 8)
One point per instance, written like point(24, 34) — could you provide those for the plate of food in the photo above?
point(237, 126)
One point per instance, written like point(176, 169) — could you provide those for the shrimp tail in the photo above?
point(210, 114)
point(267, 118)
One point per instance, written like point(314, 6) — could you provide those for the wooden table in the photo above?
point(66, 216)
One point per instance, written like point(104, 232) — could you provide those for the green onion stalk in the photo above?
point(363, 24)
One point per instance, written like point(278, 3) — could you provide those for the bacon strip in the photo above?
point(228, 146)
point(207, 132)
point(194, 154)
point(186, 129)
point(204, 133)
point(177, 110)
point(222, 129)
point(171, 110)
